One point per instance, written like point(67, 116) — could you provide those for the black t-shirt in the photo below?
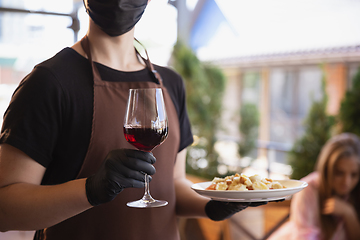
point(50, 114)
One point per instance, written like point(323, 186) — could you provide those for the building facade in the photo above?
point(283, 86)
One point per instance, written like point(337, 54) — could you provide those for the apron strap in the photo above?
point(148, 63)
point(86, 46)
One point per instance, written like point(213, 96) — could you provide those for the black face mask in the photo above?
point(115, 17)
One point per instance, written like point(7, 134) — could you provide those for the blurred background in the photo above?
point(268, 82)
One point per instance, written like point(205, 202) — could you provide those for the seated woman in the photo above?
point(329, 208)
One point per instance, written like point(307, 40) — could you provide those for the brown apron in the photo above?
point(114, 220)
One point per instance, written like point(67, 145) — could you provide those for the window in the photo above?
point(292, 92)
point(353, 69)
point(251, 87)
point(27, 39)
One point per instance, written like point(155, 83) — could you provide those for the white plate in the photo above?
point(292, 187)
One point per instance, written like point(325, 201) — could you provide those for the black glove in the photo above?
point(219, 211)
point(122, 168)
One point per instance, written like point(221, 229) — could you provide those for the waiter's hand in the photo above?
point(219, 211)
point(122, 168)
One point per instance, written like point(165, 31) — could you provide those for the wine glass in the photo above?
point(146, 127)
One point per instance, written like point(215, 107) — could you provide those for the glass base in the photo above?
point(147, 203)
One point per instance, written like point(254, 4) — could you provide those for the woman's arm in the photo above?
point(352, 223)
point(25, 204)
point(304, 211)
point(339, 207)
point(188, 202)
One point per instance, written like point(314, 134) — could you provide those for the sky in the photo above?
point(270, 26)
point(258, 27)
point(157, 30)
point(253, 27)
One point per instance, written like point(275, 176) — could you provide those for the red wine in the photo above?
point(145, 139)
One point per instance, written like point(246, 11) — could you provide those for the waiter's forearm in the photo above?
point(188, 202)
point(26, 206)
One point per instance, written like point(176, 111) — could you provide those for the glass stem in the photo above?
point(147, 197)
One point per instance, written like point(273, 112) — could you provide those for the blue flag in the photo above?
point(206, 25)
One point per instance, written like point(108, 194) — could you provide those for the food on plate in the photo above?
point(241, 182)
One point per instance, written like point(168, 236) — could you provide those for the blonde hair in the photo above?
point(338, 147)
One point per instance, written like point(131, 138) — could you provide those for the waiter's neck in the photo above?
point(115, 52)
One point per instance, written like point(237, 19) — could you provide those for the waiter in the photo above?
point(65, 167)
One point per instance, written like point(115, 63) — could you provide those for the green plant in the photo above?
point(249, 124)
point(349, 114)
point(205, 86)
point(317, 126)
